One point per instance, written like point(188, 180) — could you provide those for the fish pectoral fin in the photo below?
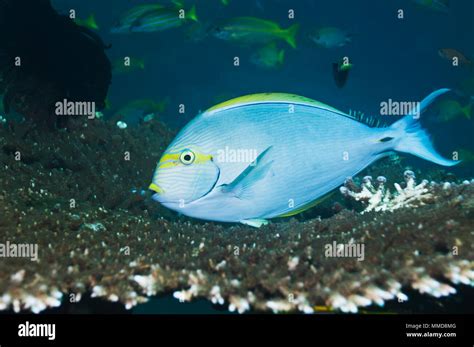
point(241, 187)
point(256, 223)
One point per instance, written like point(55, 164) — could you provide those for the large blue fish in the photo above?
point(272, 155)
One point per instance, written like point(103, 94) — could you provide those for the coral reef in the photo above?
point(75, 198)
point(379, 198)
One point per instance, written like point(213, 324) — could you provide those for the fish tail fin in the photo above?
point(289, 35)
point(410, 137)
point(192, 14)
point(91, 22)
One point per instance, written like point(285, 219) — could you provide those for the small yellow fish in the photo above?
point(154, 17)
point(127, 19)
point(163, 19)
point(252, 30)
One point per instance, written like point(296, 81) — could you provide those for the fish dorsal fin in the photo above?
point(371, 121)
point(267, 98)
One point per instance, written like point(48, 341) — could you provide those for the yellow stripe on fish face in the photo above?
point(169, 160)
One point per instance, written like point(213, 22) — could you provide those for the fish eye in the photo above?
point(187, 157)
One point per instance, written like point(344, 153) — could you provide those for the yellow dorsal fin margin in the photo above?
point(269, 98)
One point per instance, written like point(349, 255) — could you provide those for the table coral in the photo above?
point(141, 250)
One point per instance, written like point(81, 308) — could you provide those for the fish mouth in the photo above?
point(156, 188)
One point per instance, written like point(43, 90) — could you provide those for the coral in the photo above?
point(379, 198)
point(119, 246)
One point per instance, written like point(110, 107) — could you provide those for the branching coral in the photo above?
point(379, 198)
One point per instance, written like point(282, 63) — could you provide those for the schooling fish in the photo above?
point(251, 30)
point(127, 19)
point(273, 155)
point(163, 19)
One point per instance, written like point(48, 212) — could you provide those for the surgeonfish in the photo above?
point(272, 155)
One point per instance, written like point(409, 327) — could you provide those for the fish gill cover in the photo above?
point(115, 182)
